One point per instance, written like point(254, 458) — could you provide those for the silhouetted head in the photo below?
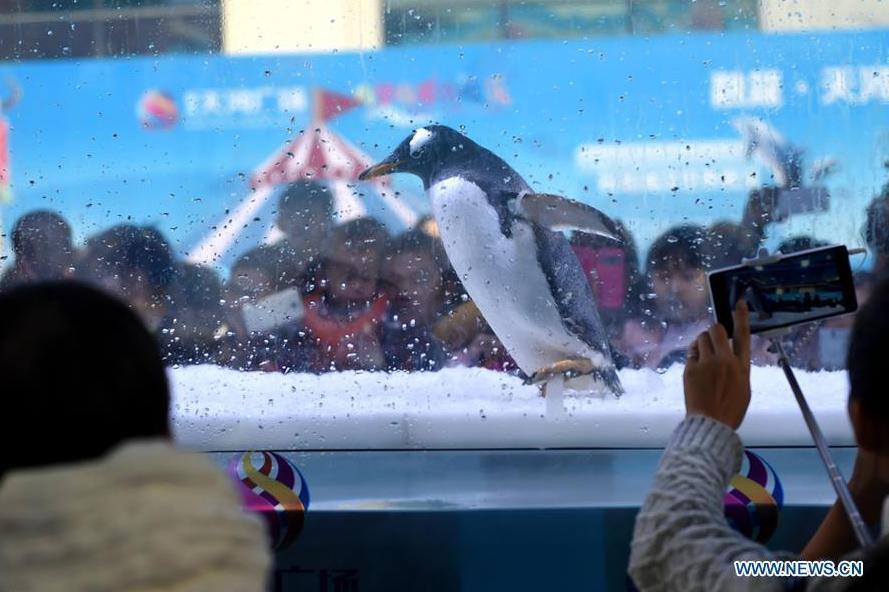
point(132, 262)
point(868, 348)
point(305, 214)
point(81, 374)
point(196, 314)
point(413, 266)
point(41, 241)
point(800, 243)
point(725, 244)
point(868, 405)
point(425, 152)
point(350, 269)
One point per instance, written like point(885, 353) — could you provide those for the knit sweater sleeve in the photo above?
point(682, 541)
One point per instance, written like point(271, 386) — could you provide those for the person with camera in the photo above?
point(682, 541)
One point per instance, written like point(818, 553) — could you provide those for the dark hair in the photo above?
point(796, 244)
point(725, 245)
point(41, 228)
point(868, 352)
point(132, 252)
point(301, 196)
point(196, 287)
point(80, 373)
point(678, 246)
point(865, 360)
point(360, 233)
point(196, 298)
point(417, 241)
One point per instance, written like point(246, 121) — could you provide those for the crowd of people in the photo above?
point(349, 296)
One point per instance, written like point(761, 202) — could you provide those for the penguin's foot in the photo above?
point(567, 368)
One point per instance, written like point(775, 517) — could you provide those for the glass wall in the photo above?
point(557, 179)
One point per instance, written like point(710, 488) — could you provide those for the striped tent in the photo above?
point(320, 154)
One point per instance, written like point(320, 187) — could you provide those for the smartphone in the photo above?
point(273, 311)
point(787, 290)
point(801, 200)
point(609, 267)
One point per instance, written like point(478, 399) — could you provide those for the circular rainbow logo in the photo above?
point(157, 110)
point(273, 487)
point(754, 499)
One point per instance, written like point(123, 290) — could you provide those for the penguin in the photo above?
point(505, 242)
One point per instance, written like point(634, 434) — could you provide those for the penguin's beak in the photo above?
point(384, 167)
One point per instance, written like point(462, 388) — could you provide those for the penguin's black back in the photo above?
point(478, 165)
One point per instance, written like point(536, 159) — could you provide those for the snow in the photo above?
point(217, 409)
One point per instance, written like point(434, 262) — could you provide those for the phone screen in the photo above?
point(798, 288)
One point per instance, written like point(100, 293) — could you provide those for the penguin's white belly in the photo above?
point(503, 277)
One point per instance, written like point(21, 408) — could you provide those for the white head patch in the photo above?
point(421, 137)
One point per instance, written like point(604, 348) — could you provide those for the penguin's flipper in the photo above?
point(560, 213)
point(576, 304)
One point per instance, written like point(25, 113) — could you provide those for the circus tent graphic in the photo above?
point(320, 154)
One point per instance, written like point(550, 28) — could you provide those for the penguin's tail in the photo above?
point(600, 380)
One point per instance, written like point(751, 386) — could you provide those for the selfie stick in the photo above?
point(839, 484)
point(836, 478)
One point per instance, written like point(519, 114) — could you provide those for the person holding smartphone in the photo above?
point(682, 541)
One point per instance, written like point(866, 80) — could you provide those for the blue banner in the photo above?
point(652, 131)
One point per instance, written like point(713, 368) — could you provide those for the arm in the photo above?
point(758, 214)
point(869, 488)
point(834, 538)
point(682, 541)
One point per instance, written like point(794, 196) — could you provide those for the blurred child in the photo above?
point(305, 218)
point(134, 263)
point(191, 332)
point(344, 315)
point(677, 271)
point(677, 268)
point(41, 242)
point(413, 271)
point(276, 346)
